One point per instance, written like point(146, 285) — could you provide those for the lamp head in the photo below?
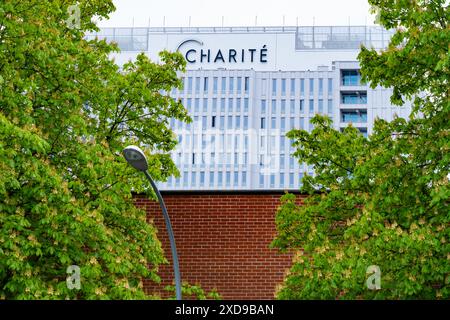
point(136, 158)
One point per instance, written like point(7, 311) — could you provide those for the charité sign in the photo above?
point(195, 51)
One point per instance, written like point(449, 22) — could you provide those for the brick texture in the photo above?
point(222, 241)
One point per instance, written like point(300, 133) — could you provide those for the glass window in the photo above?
point(274, 86)
point(197, 105)
point(220, 178)
point(205, 105)
point(193, 178)
point(330, 106)
point(283, 124)
point(291, 180)
point(239, 84)
point(272, 180)
point(231, 85)
point(222, 123)
point(320, 105)
point(351, 78)
point(281, 179)
point(245, 122)
point(223, 84)
point(283, 106)
point(311, 86)
point(244, 178)
point(185, 178)
point(222, 104)
point(330, 86)
point(292, 124)
point(292, 87)
point(238, 122)
point(274, 107)
point(274, 123)
point(261, 180)
point(205, 84)
point(302, 123)
point(263, 123)
point(302, 87)
point(189, 84)
point(213, 121)
point(189, 104)
point(230, 104)
point(320, 86)
point(292, 107)
point(311, 106)
point(230, 122)
point(263, 106)
point(283, 87)
point(246, 84)
point(215, 81)
point(354, 97)
point(197, 84)
point(236, 179)
point(211, 179)
point(238, 105)
point(355, 116)
point(282, 158)
point(228, 175)
point(204, 120)
point(245, 104)
point(202, 178)
point(214, 105)
point(302, 105)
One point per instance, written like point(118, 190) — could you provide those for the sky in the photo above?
point(143, 13)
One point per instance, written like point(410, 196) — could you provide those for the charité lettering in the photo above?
point(204, 55)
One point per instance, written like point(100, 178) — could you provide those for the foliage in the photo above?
point(66, 112)
point(382, 200)
point(196, 292)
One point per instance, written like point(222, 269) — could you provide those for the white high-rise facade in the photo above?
point(245, 88)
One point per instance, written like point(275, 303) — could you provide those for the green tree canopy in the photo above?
point(381, 201)
point(66, 112)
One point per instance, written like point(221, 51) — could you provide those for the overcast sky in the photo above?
point(141, 13)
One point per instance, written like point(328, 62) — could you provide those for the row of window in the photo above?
point(234, 105)
point(293, 106)
point(229, 178)
point(242, 84)
point(293, 83)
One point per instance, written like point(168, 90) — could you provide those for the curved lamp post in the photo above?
point(136, 158)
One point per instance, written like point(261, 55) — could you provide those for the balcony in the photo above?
point(353, 97)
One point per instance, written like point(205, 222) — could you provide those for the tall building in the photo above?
point(246, 87)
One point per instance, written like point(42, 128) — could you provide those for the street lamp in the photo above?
point(136, 158)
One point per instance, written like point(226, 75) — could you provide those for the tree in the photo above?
point(381, 201)
point(66, 112)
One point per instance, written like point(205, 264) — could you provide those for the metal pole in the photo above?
point(176, 268)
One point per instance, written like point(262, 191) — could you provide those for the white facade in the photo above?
point(246, 87)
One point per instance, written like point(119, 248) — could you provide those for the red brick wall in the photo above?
point(222, 241)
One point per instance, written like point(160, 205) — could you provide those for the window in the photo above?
point(351, 77)
point(320, 105)
point(330, 86)
point(282, 157)
point(245, 122)
point(211, 179)
point(291, 180)
point(204, 120)
point(213, 121)
point(274, 107)
point(205, 105)
point(302, 123)
point(228, 177)
point(222, 105)
point(197, 84)
point(292, 124)
point(292, 108)
point(244, 178)
point(222, 123)
point(283, 87)
point(281, 179)
point(238, 122)
point(272, 180)
point(283, 124)
point(320, 86)
point(215, 81)
point(231, 84)
point(230, 122)
point(202, 179)
point(283, 106)
point(213, 160)
point(302, 87)
point(354, 116)
point(245, 104)
point(214, 105)
point(220, 178)
point(239, 84)
point(273, 123)
point(274, 86)
point(189, 104)
point(282, 144)
point(291, 162)
point(354, 97)
point(236, 179)
point(261, 180)
point(193, 158)
point(189, 84)
point(302, 104)
point(246, 84)
point(230, 104)
point(238, 105)
point(205, 84)
point(311, 86)
point(224, 84)
point(263, 106)
point(292, 87)
point(311, 106)
point(197, 105)
point(185, 178)
point(330, 106)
